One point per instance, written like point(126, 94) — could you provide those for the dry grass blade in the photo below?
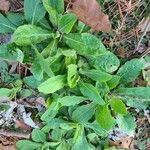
point(90, 13)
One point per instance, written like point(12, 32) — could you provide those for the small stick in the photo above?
point(144, 33)
point(146, 52)
point(14, 134)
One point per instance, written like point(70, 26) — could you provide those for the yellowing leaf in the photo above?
point(104, 118)
point(118, 106)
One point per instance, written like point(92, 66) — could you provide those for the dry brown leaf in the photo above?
point(124, 142)
point(89, 12)
point(4, 5)
point(9, 147)
point(121, 52)
point(22, 125)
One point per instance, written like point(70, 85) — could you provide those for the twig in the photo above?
point(146, 52)
point(14, 134)
point(144, 33)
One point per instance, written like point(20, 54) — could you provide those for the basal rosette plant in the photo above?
point(85, 86)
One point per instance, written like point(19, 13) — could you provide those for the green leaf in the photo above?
point(16, 18)
point(71, 100)
point(70, 57)
point(137, 92)
point(30, 34)
point(113, 82)
point(110, 148)
point(81, 142)
point(38, 135)
point(37, 70)
point(126, 124)
point(97, 75)
point(107, 62)
point(52, 123)
point(51, 112)
point(6, 26)
point(24, 144)
point(131, 70)
point(66, 23)
point(72, 76)
point(4, 107)
point(97, 129)
point(89, 91)
point(50, 49)
point(136, 103)
point(34, 11)
point(83, 113)
point(4, 92)
point(53, 84)
point(104, 118)
point(54, 8)
point(25, 93)
point(63, 146)
point(41, 66)
point(10, 54)
point(118, 106)
point(84, 44)
point(31, 82)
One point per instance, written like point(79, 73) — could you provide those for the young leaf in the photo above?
point(38, 135)
point(72, 76)
point(84, 44)
point(6, 26)
point(34, 11)
point(89, 91)
point(71, 100)
point(41, 66)
point(97, 75)
point(30, 34)
point(4, 92)
point(70, 57)
point(126, 124)
point(107, 62)
point(49, 50)
point(118, 106)
point(104, 118)
point(24, 144)
point(83, 113)
point(53, 84)
point(66, 23)
point(131, 70)
point(135, 92)
point(51, 112)
point(113, 82)
point(54, 8)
